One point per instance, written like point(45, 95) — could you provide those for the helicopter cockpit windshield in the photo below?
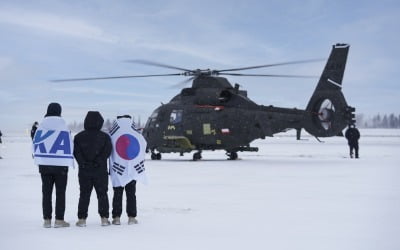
point(152, 119)
point(154, 114)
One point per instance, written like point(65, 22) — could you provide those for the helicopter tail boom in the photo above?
point(328, 111)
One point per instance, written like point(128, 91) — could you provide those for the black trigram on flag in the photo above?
point(119, 169)
point(139, 167)
point(133, 126)
point(114, 128)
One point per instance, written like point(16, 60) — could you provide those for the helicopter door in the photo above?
point(204, 127)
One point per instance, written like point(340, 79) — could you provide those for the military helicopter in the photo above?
point(214, 115)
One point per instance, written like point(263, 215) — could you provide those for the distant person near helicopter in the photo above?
point(353, 135)
point(0, 143)
point(33, 129)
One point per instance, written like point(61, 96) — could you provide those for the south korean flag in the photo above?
point(128, 155)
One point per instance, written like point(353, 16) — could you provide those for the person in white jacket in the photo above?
point(53, 148)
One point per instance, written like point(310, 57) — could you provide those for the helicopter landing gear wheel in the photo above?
point(232, 155)
point(155, 156)
point(197, 156)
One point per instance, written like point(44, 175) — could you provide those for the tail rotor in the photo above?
point(326, 113)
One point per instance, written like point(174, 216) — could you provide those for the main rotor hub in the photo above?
point(325, 115)
point(201, 72)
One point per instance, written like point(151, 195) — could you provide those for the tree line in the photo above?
point(78, 126)
point(378, 121)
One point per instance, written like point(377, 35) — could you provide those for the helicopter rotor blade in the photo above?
point(110, 77)
point(162, 65)
point(182, 83)
point(269, 75)
point(274, 64)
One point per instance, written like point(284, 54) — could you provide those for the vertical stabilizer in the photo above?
point(332, 76)
point(329, 112)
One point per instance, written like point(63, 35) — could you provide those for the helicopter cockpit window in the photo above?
point(176, 116)
point(154, 114)
point(151, 122)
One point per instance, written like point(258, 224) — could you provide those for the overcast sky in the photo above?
point(45, 40)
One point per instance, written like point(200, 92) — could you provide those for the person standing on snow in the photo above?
point(126, 166)
point(33, 129)
point(352, 135)
point(53, 154)
point(1, 143)
point(92, 147)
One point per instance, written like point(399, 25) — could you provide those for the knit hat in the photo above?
point(54, 109)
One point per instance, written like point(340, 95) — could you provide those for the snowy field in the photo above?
point(289, 195)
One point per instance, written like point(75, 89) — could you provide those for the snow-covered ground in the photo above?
point(289, 195)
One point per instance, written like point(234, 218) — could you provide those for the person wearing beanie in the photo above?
point(54, 109)
point(52, 146)
point(92, 148)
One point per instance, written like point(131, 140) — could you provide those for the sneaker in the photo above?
point(132, 220)
point(61, 223)
point(105, 221)
point(47, 223)
point(81, 223)
point(116, 221)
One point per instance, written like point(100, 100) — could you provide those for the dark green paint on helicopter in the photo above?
point(213, 114)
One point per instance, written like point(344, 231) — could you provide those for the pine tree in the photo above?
point(385, 122)
point(107, 124)
point(360, 120)
point(139, 123)
point(398, 121)
point(392, 121)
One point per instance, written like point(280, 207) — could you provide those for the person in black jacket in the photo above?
point(33, 129)
point(92, 147)
point(352, 135)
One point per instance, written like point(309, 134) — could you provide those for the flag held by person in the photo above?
point(52, 144)
point(128, 155)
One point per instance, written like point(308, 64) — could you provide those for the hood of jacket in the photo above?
point(93, 121)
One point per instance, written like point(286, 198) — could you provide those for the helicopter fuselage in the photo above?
point(215, 116)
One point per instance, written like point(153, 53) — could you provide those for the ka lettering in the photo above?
point(61, 143)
